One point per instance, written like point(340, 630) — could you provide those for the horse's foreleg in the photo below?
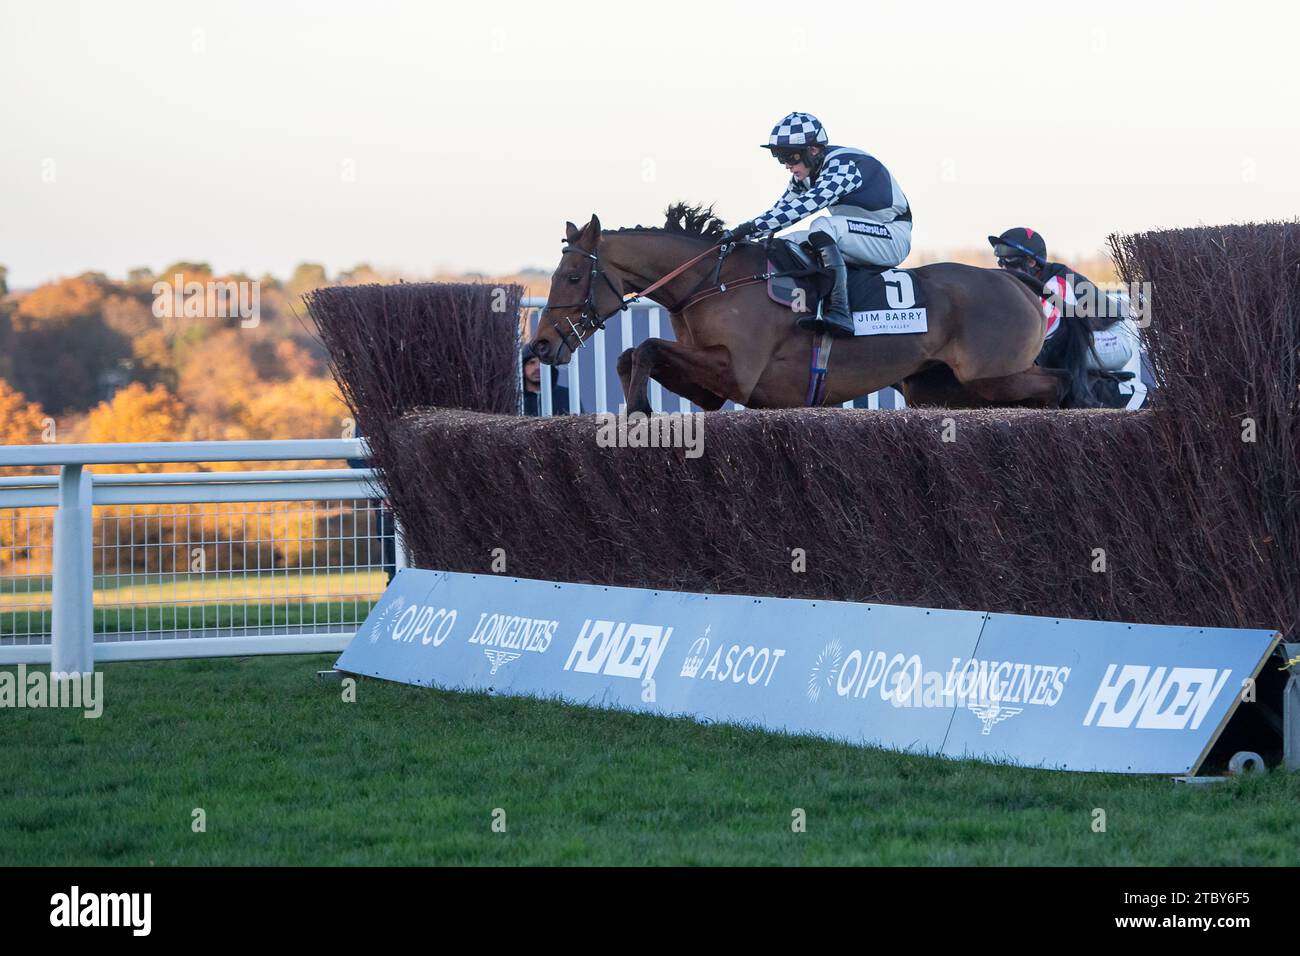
point(634, 374)
point(625, 360)
point(701, 375)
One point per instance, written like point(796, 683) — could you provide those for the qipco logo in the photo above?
point(431, 625)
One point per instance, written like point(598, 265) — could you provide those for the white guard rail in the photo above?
point(154, 628)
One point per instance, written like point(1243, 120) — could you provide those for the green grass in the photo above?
point(290, 774)
point(170, 617)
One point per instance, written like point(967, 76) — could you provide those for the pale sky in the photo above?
point(423, 136)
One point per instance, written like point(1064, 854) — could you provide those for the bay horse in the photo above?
point(985, 327)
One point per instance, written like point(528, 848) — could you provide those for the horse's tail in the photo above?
point(1076, 344)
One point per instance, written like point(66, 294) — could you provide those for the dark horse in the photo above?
point(985, 327)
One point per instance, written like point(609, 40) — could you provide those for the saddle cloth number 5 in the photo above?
point(899, 291)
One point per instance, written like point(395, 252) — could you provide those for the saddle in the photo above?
point(797, 277)
point(882, 300)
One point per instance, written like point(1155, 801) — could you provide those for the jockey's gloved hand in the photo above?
point(738, 233)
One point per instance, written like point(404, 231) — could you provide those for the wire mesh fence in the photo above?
point(26, 582)
point(206, 569)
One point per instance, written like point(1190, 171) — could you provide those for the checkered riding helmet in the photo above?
point(797, 130)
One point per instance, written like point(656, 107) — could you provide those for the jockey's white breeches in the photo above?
point(861, 241)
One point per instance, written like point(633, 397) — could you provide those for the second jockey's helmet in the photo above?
point(795, 131)
point(1020, 241)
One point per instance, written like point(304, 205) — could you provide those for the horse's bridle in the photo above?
point(590, 320)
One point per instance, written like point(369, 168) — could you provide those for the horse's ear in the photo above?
point(571, 231)
point(589, 235)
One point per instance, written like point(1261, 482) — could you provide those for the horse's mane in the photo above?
point(683, 219)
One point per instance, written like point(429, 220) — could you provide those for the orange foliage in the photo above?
point(300, 408)
point(21, 422)
point(219, 377)
point(137, 414)
point(24, 533)
point(153, 349)
point(62, 300)
point(295, 360)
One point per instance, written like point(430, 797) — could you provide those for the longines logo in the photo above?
point(506, 637)
point(988, 689)
point(992, 713)
point(513, 632)
point(499, 658)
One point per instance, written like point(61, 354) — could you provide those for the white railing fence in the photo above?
point(195, 563)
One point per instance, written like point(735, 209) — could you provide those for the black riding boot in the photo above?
point(835, 318)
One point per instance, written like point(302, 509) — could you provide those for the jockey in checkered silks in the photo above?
point(870, 222)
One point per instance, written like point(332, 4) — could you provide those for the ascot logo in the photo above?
point(695, 656)
point(738, 664)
